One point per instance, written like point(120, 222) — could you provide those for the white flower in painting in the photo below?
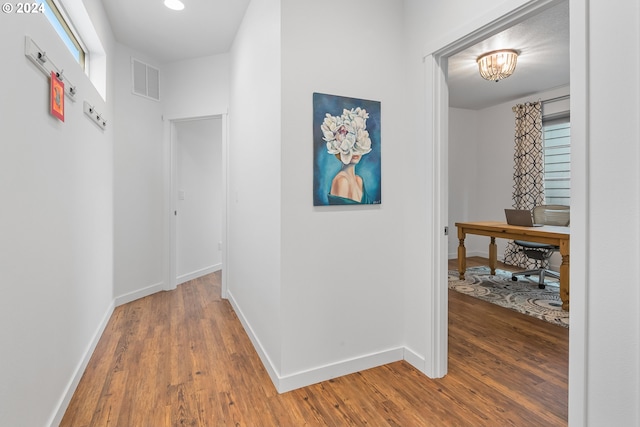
point(346, 135)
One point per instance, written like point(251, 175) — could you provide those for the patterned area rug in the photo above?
point(523, 296)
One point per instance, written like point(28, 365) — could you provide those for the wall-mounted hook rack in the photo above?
point(44, 63)
point(95, 116)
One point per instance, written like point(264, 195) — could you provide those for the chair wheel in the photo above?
point(541, 286)
point(514, 278)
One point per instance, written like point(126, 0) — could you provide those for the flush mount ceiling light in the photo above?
point(174, 4)
point(497, 65)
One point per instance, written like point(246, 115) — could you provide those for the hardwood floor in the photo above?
point(181, 358)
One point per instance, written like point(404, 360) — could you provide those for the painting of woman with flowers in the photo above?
point(346, 134)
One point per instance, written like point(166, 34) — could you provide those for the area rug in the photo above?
point(523, 296)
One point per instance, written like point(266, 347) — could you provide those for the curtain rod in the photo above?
point(558, 98)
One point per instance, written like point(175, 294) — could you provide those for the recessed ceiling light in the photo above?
point(174, 4)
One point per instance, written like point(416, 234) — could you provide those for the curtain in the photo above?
point(528, 169)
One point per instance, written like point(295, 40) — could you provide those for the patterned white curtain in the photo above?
point(528, 169)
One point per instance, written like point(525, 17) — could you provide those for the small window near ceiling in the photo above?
point(56, 15)
point(557, 160)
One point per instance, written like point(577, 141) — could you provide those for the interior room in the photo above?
point(481, 112)
point(97, 192)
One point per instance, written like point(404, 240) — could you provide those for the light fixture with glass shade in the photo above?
point(498, 64)
point(174, 4)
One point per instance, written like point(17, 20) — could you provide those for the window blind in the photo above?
point(557, 159)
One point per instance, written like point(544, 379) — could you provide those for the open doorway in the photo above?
point(197, 198)
point(481, 120)
point(437, 90)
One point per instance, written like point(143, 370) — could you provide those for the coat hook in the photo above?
point(42, 57)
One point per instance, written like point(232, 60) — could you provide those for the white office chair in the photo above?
point(547, 215)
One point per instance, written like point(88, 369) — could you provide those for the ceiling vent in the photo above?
point(146, 80)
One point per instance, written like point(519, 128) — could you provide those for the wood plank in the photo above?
point(183, 358)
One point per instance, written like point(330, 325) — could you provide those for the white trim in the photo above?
point(198, 273)
point(140, 293)
point(170, 191)
point(499, 18)
point(322, 373)
point(580, 163)
point(170, 207)
point(266, 361)
point(505, 15)
point(413, 358)
point(225, 208)
point(483, 254)
point(64, 401)
point(338, 369)
point(436, 114)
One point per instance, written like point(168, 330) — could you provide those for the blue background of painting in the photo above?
point(326, 166)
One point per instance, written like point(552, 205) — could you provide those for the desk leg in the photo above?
point(462, 254)
point(564, 275)
point(493, 255)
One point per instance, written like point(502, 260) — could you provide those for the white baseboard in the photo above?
point(415, 360)
point(198, 273)
point(323, 373)
point(483, 254)
point(266, 362)
point(338, 369)
point(140, 293)
point(79, 371)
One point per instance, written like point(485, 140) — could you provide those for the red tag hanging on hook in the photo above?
point(57, 96)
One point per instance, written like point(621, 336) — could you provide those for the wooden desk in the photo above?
point(553, 235)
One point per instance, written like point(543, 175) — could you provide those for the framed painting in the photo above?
point(346, 151)
point(57, 96)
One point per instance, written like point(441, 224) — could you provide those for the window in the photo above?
point(557, 160)
point(55, 14)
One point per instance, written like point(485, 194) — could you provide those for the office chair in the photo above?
point(547, 215)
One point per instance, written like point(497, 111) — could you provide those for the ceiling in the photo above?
point(208, 27)
point(543, 63)
point(202, 28)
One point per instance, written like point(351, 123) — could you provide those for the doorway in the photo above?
point(197, 197)
point(436, 63)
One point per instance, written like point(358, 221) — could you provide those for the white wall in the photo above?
point(199, 202)
point(56, 225)
point(604, 349)
point(342, 277)
point(254, 221)
point(613, 349)
point(192, 88)
point(320, 299)
point(57, 256)
point(196, 87)
point(139, 191)
point(464, 163)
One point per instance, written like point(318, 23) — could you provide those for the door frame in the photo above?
point(171, 192)
point(436, 136)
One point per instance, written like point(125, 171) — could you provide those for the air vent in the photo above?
point(145, 79)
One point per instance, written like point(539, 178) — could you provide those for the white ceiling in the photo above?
point(203, 28)
point(543, 63)
point(207, 27)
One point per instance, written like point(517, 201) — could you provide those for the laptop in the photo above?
point(521, 217)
